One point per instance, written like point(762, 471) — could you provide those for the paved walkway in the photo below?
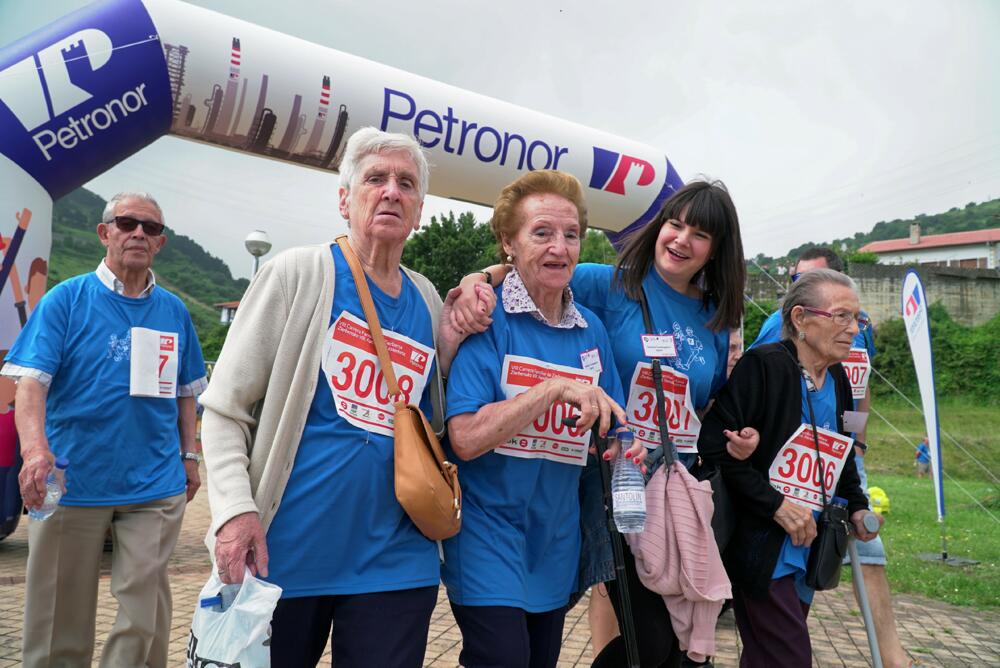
point(935, 633)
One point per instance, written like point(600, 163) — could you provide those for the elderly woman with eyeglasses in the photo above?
point(783, 390)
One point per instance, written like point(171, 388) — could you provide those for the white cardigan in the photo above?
point(263, 384)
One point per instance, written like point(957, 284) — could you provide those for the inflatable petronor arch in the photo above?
point(91, 89)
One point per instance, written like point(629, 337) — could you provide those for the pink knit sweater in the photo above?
point(676, 556)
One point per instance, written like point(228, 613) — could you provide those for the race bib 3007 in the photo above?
point(682, 421)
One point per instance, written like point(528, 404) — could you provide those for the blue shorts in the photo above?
point(872, 552)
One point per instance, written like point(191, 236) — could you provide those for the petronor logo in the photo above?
point(613, 170)
point(39, 89)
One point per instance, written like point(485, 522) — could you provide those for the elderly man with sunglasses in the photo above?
point(108, 367)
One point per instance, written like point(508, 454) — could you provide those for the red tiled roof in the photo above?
point(227, 304)
point(933, 241)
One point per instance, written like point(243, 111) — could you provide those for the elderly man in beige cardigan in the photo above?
point(297, 429)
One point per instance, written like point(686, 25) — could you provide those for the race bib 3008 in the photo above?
point(353, 371)
point(547, 437)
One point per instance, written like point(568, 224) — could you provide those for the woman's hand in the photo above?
point(469, 310)
point(741, 444)
point(596, 407)
point(637, 453)
point(858, 522)
point(797, 521)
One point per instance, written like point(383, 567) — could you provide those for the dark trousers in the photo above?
point(495, 636)
point(773, 628)
point(381, 629)
point(658, 645)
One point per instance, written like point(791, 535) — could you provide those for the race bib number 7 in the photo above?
point(354, 373)
point(858, 368)
point(153, 363)
point(682, 421)
point(547, 437)
point(796, 471)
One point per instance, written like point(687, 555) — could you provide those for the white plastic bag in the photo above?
point(239, 636)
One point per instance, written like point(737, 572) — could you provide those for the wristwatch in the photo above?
point(193, 456)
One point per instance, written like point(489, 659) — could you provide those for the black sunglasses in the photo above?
point(127, 224)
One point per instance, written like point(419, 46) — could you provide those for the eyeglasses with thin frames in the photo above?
point(128, 224)
point(841, 318)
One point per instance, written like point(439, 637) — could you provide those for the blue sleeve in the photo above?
point(591, 286)
point(474, 375)
point(770, 331)
point(192, 364)
point(40, 344)
point(869, 337)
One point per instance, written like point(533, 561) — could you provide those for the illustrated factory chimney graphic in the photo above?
point(324, 106)
point(176, 57)
point(232, 86)
point(294, 128)
point(253, 134)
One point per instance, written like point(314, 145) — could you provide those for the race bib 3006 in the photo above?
point(547, 437)
point(354, 373)
point(682, 421)
point(795, 471)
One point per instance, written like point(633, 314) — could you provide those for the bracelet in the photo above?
point(193, 456)
point(489, 277)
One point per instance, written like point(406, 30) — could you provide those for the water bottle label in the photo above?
point(629, 501)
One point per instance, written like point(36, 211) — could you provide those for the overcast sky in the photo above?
point(822, 118)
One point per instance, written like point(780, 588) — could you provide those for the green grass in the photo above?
point(976, 428)
point(911, 528)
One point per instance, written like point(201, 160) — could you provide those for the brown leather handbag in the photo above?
point(426, 483)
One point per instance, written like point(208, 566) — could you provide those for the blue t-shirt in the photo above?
point(701, 353)
point(121, 449)
point(520, 540)
point(793, 558)
point(923, 453)
point(339, 528)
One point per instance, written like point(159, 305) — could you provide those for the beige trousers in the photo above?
point(64, 561)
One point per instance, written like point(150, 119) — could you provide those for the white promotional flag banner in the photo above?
point(918, 332)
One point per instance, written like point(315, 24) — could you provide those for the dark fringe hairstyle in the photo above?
point(707, 206)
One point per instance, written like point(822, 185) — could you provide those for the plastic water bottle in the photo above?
point(628, 494)
point(55, 484)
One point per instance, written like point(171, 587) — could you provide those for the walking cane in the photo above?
point(871, 523)
point(624, 599)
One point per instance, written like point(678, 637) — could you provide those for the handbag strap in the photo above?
point(812, 423)
point(368, 306)
point(669, 450)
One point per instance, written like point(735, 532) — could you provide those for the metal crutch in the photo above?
point(624, 598)
point(859, 582)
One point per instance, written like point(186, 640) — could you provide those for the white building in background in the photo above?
point(979, 249)
point(227, 311)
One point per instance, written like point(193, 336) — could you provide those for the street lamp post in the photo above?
point(257, 244)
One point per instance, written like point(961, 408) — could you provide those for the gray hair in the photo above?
point(369, 141)
point(109, 208)
point(807, 291)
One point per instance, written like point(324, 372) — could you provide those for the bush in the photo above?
point(966, 359)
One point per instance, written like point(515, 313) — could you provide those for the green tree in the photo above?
point(597, 249)
point(862, 258)
point(449, 248)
